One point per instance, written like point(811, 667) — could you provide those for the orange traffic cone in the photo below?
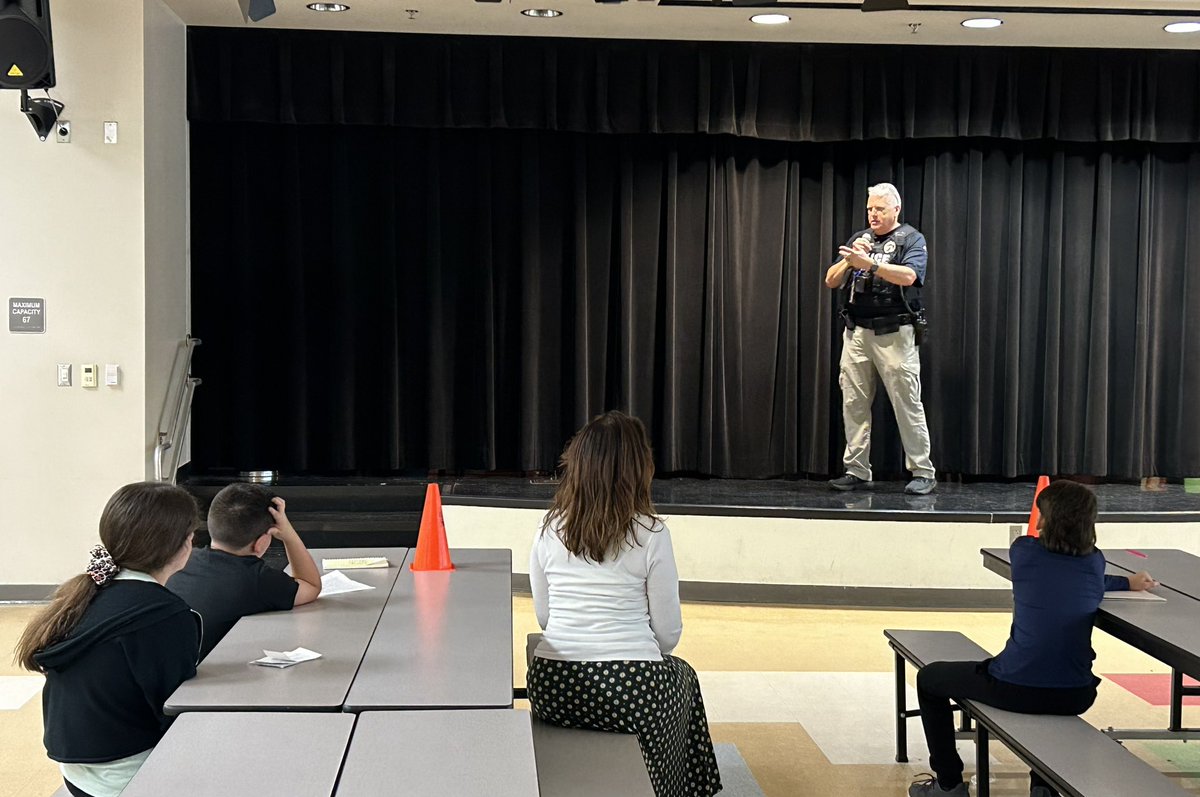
point(1035, 515)
point(432, 551)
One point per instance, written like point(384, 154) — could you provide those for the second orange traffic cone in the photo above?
point(432, 551)
point(1034, 514)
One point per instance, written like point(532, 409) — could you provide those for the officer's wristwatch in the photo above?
point(874, 268)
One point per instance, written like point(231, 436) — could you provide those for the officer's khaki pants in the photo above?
point(894, 357)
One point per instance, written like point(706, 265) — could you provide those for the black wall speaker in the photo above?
point(26, 46)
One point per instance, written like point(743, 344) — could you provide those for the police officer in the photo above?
point(879, 279)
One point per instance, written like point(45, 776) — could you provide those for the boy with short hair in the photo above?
point(228, 580)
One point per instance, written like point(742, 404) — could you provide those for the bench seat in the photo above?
point(1076, 758)
point(578, 763)
point(572, 762)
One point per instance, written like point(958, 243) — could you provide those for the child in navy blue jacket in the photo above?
point(1046, 666)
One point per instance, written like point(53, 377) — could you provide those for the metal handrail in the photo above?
point(179, 416)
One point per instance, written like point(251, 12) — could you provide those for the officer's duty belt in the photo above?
point(882, 325)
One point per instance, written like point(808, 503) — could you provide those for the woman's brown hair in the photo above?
point(1069, 512)
point(143, 526)
point(606, 472)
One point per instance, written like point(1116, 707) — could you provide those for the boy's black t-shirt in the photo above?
point(224, 587)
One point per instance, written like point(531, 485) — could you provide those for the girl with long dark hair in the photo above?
point(606, 592)
point(114, 643)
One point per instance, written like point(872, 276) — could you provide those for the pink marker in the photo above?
point(1136, 553)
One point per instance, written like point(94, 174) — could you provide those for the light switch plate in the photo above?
point(112, 374)
point(64, 374)
point(110, 132)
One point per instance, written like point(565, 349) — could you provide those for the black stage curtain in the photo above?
point(374, 299)
point(787, 92)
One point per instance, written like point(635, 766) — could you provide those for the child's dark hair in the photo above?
point(607, 468)
point(1069, 510)
point(238, 515)
point(143, 527)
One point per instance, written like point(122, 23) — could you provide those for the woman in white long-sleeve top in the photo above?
point(606, 593)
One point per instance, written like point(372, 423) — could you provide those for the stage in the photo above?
point(979, 502)
point(756, 541)
point(774, 541)
point(317, 502)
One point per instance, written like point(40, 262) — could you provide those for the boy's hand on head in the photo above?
point(283, 527)
point(304, 568)
point(1141, 581)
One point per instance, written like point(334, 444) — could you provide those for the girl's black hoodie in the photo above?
point(107, 681)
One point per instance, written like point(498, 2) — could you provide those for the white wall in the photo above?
point(764, 550)
point(73, 231)
point(810, 552)
point(166, 186)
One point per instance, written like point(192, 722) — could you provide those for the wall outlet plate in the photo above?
point(62, 132)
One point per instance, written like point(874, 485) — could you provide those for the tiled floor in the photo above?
point(805, 694)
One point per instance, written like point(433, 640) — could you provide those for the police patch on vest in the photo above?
point(889, 247)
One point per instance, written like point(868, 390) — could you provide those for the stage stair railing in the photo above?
point(177, 415)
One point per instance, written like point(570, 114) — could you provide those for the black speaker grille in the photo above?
point(24, 53)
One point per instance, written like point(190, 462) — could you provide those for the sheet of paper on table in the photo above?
point(336, 582)
point(1129, 595)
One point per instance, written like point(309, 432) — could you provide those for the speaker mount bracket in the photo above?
point(43, 113)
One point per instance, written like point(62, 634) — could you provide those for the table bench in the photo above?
point(1074, 757)
point(573, 762)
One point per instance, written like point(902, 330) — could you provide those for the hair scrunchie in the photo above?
point(102, 567)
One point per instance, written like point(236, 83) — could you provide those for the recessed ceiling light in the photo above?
point(541, 12)
point(1182, 27)
point(770, 19)
point(982, 22)
point(328, 7)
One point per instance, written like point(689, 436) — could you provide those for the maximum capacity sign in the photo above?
point(26, 315)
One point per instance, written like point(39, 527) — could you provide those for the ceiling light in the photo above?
point(328, 7)
point(770, 19)
point(982, 22)
point(1182, 27)
point(545, 13)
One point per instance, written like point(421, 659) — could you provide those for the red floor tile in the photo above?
point(1154, 689)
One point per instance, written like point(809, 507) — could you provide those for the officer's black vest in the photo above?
point(880, 294)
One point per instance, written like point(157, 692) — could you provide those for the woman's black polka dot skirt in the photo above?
point(657, 700)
